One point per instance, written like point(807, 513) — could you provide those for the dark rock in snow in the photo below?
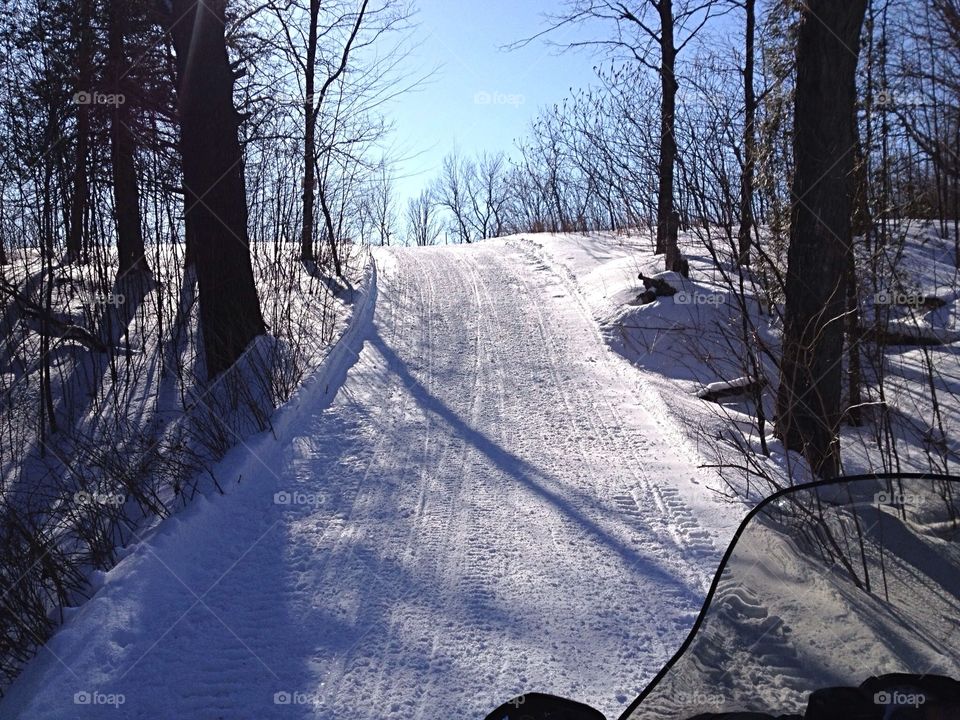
point(655, 287)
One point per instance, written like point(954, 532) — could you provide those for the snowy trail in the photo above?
point(484, 509)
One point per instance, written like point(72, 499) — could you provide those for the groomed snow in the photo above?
point(473, 499)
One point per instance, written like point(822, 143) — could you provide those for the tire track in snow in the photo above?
point(672, 519)
point(581, 426)
point(376, 629)
point(465, 545)
point(693, 543)
point(351, 525)
point(423, 542)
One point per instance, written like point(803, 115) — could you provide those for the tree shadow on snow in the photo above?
point(532, 477)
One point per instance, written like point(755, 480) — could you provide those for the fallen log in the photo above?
point(907, 335)
point(717, 391)
point(655, 287)
point(44, 322)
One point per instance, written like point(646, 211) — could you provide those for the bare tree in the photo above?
point(84, 94)
point(380, 204)
point(489, 194)
point(126, 189)
point(809, 399)
point(423, 227)
point(452, 192)
point(653, 33)
point(313, 100)
point(749, 136)
point(216, 203)
point(342, 88)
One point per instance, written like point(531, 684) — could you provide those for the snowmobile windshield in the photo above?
point(825, 585)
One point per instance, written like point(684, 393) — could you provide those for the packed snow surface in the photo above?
point(472, 499)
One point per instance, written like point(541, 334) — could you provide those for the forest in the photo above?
point(190, 191)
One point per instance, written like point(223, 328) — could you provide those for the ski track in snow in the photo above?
point(481, 516)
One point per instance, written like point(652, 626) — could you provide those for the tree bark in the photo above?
point(668, 220)
point(3, 249)
point(809, 404)
point(749, 139)
point(854, 370)
point(666, 239)
point(126, 194)
point(309, 137)
point(83, 95)
point(216, 208)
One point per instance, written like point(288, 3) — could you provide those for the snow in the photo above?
point(784, 622)
point(494, 484)
point(472, 498)
point(682, 347)
point(726, 385)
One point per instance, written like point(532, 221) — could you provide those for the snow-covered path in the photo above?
point(483, 509)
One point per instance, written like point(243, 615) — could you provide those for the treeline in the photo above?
point(598, 161)
point(796, 157)
point(184, 186)
point(208, 124)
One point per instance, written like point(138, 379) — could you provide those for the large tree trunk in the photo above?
point(126, 193)
point(668, 113)
point(310, 110)
point(809, 404)
point(216, 208)
point(749, 139)
point(668, 222)
point(84, 96)
point(3, 249)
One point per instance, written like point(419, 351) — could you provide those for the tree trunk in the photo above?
point(331, 234)
point(667, 219)
point(3, 249)
point(809, 398)
point(216, 208)
point(307, 251)
point(126, 193)
point(854, 370)
point(83, 96)
point(749, 140)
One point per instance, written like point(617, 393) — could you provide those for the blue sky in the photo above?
point(482, 97)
